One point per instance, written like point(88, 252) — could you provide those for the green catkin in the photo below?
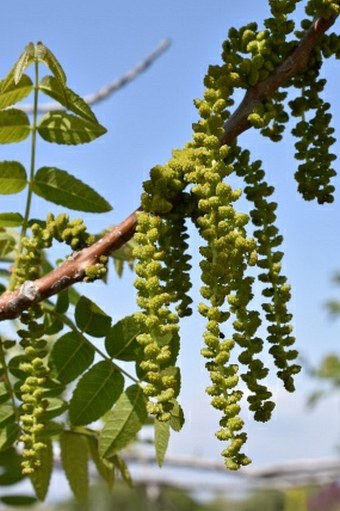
point(204, 166)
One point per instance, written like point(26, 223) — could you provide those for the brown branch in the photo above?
point(292, 65)
point(73, 269)
point(12, 303)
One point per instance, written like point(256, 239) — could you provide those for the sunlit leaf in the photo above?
point(11, 92)
point(13, 178)
point(70, 356)
point(68, 129)
point(42, 475)
point(66, 97)
point(14, 126)
point(91, 319)
point(45, 55)
point(60, 187)
point(6, 414)
point(123, 423)
point(11, 219)
point(122, 468)
point(74, 457)
point(23, 62)
point(96, 392)
point(56, 407)
point(120, 341)
point(162, 435)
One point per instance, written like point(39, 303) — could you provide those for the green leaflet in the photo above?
point(68, 129)
point(7, 243)
point(11, 92)
point(4, 394)
point(162, 435)
point(14, 126)
point(60, 187)
point(11, 219)
point(68, 98)
point(96, 392)
point(13, 177)
point(23, 62)
point(10, 467)
point(105, 468)
point(42, 475)
point(91, 319)
point(124, 422)
point(74, 458)
point(45, 55)
point(56, 407)
point(122, 468)
point(177, 417)
point(120, 341)
point(70, 357)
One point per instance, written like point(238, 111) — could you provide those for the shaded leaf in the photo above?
point(105, 468)
point(11, 219)
point(124, 422)
point(4, 394)
point(6, 414)
point(70, 357)
point(177, 417)
point(56, 407)
point(62, 302)
point(42, 475)
point(11, 92)
point(49, 85)
point(18, 500)
point(74, 457)
point(90, 318)
point(121, 466)
point(162, 435)
point(14, 126)
point(96, 392)
point(8, 435)
point(60, 187)
point(10, 467)
point(68, 129)
point(120, 341)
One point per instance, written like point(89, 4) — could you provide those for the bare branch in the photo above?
point(107, 90)
point(73, 269)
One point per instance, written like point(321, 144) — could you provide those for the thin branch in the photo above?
point(107, 90)
point(73, 269)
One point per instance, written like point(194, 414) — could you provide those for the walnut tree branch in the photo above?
point(12, 303)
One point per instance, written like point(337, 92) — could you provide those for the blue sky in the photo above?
point(99, 41)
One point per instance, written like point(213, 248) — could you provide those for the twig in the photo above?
point(73, 269)
point(107, 90)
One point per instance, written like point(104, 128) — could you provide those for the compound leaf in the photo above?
point(14, 126)
point(60, 187)
point(95, 393)
point(124, 422)
point(68, 129)
point(74, 457)
point(13, 177)
point(70, 357)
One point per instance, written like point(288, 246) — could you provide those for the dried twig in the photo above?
point(107, 90)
